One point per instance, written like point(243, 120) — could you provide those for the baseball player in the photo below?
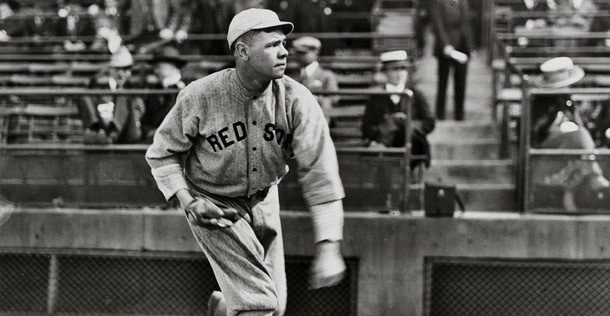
point(222, 150)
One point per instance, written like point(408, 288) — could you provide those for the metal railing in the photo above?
point(117, 175)
point(540, 192)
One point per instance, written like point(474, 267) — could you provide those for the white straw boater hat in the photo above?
point(393, 58)
point(255, 19)
point(558, 72)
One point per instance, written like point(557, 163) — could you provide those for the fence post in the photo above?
point(407, 154)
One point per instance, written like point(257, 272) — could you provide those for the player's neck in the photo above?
point(250, 82)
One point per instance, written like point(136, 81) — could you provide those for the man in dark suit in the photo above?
point(454, 42)
point(383, 123)
point(312, 75)
point(113, 119)
point(167, 64)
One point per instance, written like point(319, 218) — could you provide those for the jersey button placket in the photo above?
point(254, 154)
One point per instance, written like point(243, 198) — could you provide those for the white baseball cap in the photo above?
point(255, 19)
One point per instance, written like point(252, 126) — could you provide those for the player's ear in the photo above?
point(242, 50)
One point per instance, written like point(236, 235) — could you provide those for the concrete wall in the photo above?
point(390, 248)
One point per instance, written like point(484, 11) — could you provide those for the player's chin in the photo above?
point(278, 73)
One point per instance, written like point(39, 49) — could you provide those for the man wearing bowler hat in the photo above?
point(312, 75)
point(222, 150)
point(557, 124)
point(167, 64)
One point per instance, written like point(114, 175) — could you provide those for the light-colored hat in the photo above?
point(393, 58)
point(558, 72)
point(255, 19)
point(121, 58)
point(307, 44)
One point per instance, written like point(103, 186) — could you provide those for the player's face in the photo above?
point(267, 54)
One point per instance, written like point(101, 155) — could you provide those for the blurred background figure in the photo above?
point(211, 18)
point(156, 21)
point(9, 25)
point(74, 21)
point(167, 64)
point(108, 22)
point(113, 119)
point(312, 75)
point(383, 123)
point(422, 20)
point(454, 38)
point(308, 16)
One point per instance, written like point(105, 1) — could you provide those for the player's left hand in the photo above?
point(328, 267)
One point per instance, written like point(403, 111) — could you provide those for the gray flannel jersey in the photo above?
point(236, 142)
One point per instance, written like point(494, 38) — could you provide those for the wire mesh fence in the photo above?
point(102, 284)
point(471, 286)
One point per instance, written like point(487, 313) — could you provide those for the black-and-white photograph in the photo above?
point(304, 157)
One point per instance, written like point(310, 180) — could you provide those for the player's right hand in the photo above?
point(204, 213)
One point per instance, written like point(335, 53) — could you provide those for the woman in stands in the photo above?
point(557, 124)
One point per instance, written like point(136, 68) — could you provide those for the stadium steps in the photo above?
point(466, 154)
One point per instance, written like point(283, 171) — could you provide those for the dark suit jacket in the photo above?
point(451, 25)
point(157, 107)
point(125, 126)
point(375, 123)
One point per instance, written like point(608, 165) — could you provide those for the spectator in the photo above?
point(421, 22)
point(309, 16)
point(312, 75)
point(601, 24)
point(533, 6)
point(113, 119)
point(153, 21)
point(383, 123)
point(107, 25)
point(222, 150)
point(557, 124)
point(74, 21)
point(212, 19)
point(9, 24)
point(167, 65)
point(454, 42)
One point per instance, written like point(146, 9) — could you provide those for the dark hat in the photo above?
point(558, 72)
point(168, 54)
point(307, 44)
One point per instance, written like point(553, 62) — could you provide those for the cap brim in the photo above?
point(577, 74)
point(394, 63)
point(287, 27)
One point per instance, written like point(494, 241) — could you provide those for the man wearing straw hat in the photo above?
point(222, 150)
point(383, 122)
point(557, 124)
